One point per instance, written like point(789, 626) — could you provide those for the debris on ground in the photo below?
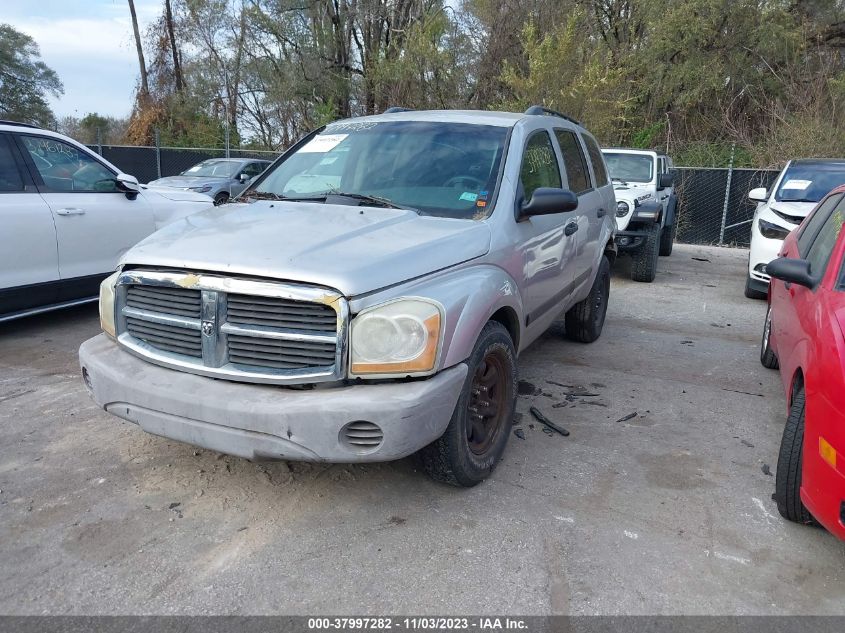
point(766, 470)
point(519, 433)
point(701, 259)
point(525, 388)
point(747, 443)
point(687, 342)
point(630, 416)
point(542, 419)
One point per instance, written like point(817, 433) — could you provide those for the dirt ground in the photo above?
point(667, 511)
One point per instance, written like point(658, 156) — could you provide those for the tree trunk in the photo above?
point(177, 68)
point(145, 86)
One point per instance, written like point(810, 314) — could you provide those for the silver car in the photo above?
point(220, 178)
point(368, 296)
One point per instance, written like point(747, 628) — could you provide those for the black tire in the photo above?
point(753, 293)
point(788, 475)
point(767, 357)
point(221, 198)
point(667, 239)
point(644, 260)
point(469, 450)
point(585, 320)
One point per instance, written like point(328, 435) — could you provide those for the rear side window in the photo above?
point(811, 227)
point(820, 250)
point(10, 175)
point(574, 161)
point(539, 165)
point(597, 160)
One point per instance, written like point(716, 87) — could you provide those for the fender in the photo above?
point(671, 210)
point(647, 212)
point(470, 296)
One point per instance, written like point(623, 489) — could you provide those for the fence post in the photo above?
point(226, 133)
point(158, 154)
point(727, 197)
point(99, 142)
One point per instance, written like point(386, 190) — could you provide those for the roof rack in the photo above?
point(540, 110)
point(18, 123)
point(397, 109)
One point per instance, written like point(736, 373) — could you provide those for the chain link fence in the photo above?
point(713, 204)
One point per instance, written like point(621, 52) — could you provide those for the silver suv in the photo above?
point(367, 297)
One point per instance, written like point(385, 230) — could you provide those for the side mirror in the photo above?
point(547, 201)
point(664, 181)
point(758, 195)
point(244, 178)
point(128, 185)
point(794, 271)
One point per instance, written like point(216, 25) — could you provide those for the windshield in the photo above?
point(810, 183)
point(213, 169)
point(442, 169)
point(629, 167)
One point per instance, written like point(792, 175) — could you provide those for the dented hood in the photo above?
point(352, 249)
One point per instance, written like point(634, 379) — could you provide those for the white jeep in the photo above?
point(645, 207)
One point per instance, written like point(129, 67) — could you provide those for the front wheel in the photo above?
point(667, 239)
point(475, 439)
point(767, 356)
point(585, 320)
point(751, 292)
point(790, 458)
point(644, 260)
point(221, 198)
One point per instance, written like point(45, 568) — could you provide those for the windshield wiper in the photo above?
point(376, 200)
point(796, 200)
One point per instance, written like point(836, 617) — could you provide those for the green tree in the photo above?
point(25, 81)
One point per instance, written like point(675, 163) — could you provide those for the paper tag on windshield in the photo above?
point(323, 143)
point(797, 184)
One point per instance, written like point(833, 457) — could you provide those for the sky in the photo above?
point(89, 43)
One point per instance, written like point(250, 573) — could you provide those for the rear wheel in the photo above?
point(767, 357)
point(585, 320)
point(475, 439)
point(788, 476)
point(644, 260)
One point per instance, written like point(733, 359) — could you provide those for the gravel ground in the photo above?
point(667, 511)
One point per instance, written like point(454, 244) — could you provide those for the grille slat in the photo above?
point(362, 435)
point(254, 352)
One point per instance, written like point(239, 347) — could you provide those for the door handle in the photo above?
point(601, 213)
point(70, 211)
point(570, 228)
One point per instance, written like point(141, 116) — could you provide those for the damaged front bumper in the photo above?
point(355, 423)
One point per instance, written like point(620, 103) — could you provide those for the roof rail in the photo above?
point(540, 110)
point(397, 109)
point(18, 123)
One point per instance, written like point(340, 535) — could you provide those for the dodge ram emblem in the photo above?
point(208, 327)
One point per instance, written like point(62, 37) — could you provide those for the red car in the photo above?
point(804, 334)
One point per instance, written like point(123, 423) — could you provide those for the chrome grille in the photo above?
point(178, 301)
point(280, 313)
point(235, 329)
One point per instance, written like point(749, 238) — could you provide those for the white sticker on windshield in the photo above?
point(323, 143)
point(797, 184)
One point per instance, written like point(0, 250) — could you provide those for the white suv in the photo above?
point(797, 190)
point(68, 216)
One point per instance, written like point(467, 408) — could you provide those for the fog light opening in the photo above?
point(86, 378)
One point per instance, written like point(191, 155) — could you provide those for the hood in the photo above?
point(351, 249)
point(177, 195)
point(797, 210)
point(187, 181)
point(632, 192)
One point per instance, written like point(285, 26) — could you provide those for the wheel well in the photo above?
point(508, 317)
point(610, 251)
point(797, 384)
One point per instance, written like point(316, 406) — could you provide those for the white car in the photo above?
point(797, 190)
point(68, 216)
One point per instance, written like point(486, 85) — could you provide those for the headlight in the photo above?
point(401, 337)
point(107, 304)
point(772, 231)
point(202, 189)
point(622, 209)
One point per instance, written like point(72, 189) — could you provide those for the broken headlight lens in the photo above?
point(107, 304)
point(401, 337)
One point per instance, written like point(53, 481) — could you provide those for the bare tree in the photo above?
point(171, 34)
point(145, 86)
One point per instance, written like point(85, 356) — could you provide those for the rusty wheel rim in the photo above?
point(487, 406)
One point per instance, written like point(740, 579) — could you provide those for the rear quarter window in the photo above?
point(597, 159)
